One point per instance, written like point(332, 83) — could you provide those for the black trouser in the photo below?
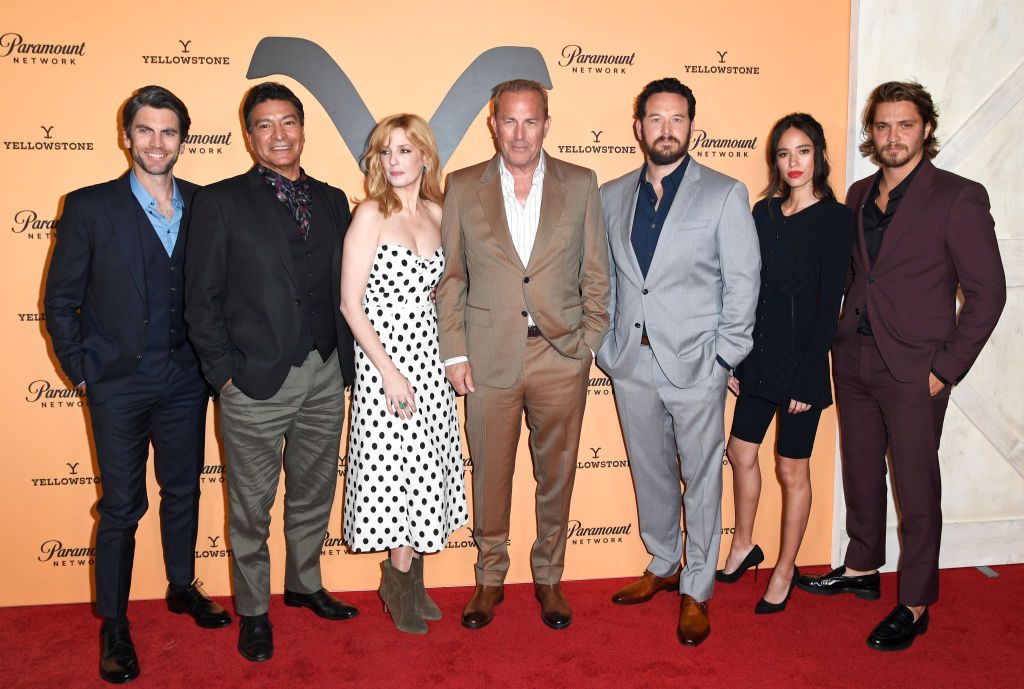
point(169, 409)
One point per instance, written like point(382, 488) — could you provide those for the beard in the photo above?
point(895, 158)
point(155, 167)
point(666, 156)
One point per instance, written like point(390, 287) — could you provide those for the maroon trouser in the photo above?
point(876, 412)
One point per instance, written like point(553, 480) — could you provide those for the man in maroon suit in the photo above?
point(900, 348)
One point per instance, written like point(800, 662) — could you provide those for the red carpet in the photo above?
point(976, 639)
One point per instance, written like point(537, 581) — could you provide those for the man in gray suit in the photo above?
point(684, 285)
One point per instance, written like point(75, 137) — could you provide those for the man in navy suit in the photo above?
point(114, 302)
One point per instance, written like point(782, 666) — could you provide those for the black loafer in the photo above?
point(866, 586)
point(322, 603)
point(256, 638)
point(898, 630)
point(118, 662)
point(193, 601)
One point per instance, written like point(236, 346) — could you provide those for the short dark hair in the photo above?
point(891, 92)
point(814, 131)
point(155, 97)
point(519, 86)
point(269, 90)
point(666, 85)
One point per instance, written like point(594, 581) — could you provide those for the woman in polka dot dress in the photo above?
point(404, 491)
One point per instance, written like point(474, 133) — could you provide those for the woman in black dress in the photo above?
point(806, 238)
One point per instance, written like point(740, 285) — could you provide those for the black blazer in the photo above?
point(243, 302)
point(95, 300)
point(805, 259)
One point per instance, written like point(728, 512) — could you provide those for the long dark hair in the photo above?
point(812, 128)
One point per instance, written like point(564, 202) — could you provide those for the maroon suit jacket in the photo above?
point(942, 235)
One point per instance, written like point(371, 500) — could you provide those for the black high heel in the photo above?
point(763, 607)
point(754, 558)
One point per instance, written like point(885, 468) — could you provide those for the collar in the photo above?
point(274, 176)
point(538, 173)
point(673, 179)
point(900, 189)
point(144, 197)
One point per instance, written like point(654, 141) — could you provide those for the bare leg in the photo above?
point(401, 558)
point(746, 489)
point(795, 477)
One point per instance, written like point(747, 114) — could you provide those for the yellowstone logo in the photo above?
point(215, 548)
point(212, 473)
point(579, 61)
point(462, 538)
point(595, 461)
point(578, 534)
point(596, 146)
point(44, 394)
point(342, 465)
point(48, 143)
point(333, 545)
point(73, 476)
point(185, 57)
point(599, 386)
point(29, 225)
point(311, 66)
point(14, 47)
point(54, 553)
point(31, 317)
point(704, 145)
point(721, 67)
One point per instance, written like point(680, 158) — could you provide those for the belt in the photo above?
point(645, 341)
point(533, 331)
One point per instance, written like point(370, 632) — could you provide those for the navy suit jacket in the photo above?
point(96, 305)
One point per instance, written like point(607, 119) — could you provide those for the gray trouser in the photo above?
point(305, 417)
point(661, 421)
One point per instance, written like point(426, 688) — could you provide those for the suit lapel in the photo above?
point(493, 205)
point(627, 210)
point(186, 199)
point(677, 212)
point(266, 206)
point(551, 203)
point(124, 212)
point(911, 206)
point(858, 208)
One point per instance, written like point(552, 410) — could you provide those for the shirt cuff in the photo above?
point(723, 363)
point(455, 360)
point(939, 376)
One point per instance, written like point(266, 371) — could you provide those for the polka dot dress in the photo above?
point(404, 484)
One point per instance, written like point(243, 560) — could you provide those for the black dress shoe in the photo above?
point(118, 662)
point(255, 638)
point(866, 586)
point(763, 607)
point(754, 558)
point(322, 603)
point(192, 601)
point(898, 630)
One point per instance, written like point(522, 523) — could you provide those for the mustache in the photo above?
point(667, 139)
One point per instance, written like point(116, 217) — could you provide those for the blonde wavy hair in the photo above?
point(377, 186)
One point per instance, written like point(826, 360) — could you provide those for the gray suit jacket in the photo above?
point(699, 296)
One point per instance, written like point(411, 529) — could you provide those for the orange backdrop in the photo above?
point(67, 69)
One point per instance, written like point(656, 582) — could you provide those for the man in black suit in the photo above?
point(263, 308)
point(114, 313)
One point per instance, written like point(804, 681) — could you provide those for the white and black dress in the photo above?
point(404, 483)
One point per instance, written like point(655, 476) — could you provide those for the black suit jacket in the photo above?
point(96, 305)
point(243, 300)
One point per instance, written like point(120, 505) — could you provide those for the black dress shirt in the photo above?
point(649, 217)
point(876, 222)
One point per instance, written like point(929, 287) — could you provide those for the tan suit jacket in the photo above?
point(486, 291)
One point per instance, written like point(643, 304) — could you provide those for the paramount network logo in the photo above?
point(29, 225)
point(75, 475)
point(581, 62)
point(207, 144)
point(49, 397)
point(215, 547)
point(599, 386)
point(581, 534)
point(333, 545)
point(703, 145)
point(13, 45)
point(185, 57)
point(212, 473)
point(54, 552)
point(310, 65)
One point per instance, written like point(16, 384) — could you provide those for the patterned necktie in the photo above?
point(294, 195)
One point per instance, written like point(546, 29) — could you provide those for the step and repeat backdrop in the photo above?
point(68, 66)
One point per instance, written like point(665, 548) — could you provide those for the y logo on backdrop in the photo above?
point(311, 66)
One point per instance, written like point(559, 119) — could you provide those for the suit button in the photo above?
point(172, 269)
point(871, 279)
point(298, 302)
point(526, 279)
point(636, 325)
point(145, 322)
point(174, 289)
point(644, 291)
point(856, 312)
point(523, 314)
point(138, 356)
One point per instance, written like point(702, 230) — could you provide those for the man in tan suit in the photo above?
point(522, 306)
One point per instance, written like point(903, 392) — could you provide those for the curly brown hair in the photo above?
point(890, 92)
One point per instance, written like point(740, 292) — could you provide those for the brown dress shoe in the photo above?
point(480, 609)
point(694, 625)
point(644, 588)
point(554, 608)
